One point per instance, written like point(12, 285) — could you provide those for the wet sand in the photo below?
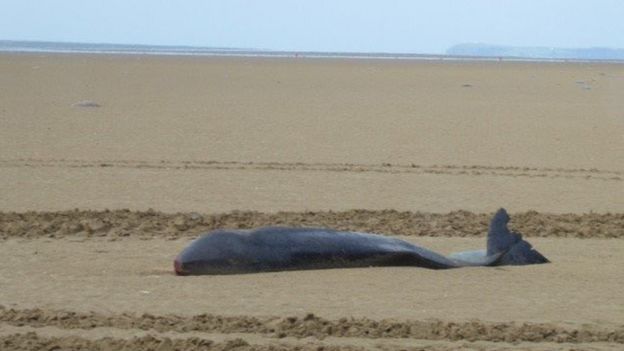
point(427, 150)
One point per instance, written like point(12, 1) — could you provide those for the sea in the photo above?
point(14, 46)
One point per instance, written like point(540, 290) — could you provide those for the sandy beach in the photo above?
point(110, 165)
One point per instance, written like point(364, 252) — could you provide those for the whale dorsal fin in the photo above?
point(500, 239)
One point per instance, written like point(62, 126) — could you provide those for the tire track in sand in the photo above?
point(320, 328)
point(458, 170)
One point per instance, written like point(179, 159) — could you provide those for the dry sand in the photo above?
point(222, 134)
point(405, 142)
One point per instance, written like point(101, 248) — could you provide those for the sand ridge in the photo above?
point(36, 341)
point(154, 224)
point(311, 325)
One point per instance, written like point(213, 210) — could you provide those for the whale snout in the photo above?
point(178, 268)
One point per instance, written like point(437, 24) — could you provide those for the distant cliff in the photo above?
point(486, 50)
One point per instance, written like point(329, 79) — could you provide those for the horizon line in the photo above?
point(259, 52)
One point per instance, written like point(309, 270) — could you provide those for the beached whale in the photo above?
point(280, 248)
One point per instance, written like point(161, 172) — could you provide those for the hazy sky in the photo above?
point(318, 25)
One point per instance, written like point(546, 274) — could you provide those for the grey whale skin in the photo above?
point(282, 248)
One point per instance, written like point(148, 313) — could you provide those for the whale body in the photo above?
point(283, 248)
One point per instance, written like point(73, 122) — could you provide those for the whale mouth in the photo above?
point(177, 267)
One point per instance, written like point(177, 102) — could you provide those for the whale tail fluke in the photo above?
point(512, 248)
point(499, 238)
